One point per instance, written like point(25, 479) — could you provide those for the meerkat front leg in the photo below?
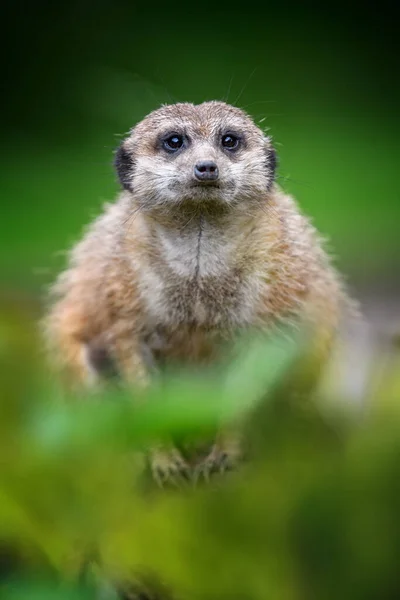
point(135, 362)
point(167, 465)
point(87, 364)
point(131, 364)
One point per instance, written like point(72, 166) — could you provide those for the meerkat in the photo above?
point(200, 244)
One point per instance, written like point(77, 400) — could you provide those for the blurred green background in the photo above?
point(318, 514)
point(79, 74)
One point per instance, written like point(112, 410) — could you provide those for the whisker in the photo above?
point(245, 85)
point(257, 102)
point(131, 214)
point(226, 97)
point(296, 181)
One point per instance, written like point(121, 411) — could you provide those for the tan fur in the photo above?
point(172, 269)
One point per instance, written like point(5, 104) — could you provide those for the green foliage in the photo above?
point(312, 514)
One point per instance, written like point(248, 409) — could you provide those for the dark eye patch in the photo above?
point(231, 141)
point(172, 142)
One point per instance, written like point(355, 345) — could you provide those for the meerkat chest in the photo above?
point(223, 301)
point(200, 284)
point(191, 320)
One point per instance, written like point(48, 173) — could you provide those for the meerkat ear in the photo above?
point(271, 161)
point(124, 164)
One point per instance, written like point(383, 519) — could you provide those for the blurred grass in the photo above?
point(313, 514)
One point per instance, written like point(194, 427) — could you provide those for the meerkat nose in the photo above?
point(206, 170)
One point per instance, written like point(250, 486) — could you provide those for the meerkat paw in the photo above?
point(220, 460)
point(169, 468)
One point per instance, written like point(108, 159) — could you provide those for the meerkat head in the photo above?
point(185, 153)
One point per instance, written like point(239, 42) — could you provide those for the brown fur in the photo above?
point(172, 268)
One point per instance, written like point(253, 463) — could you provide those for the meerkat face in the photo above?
point(182, 153)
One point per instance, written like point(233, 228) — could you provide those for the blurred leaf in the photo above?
point(313, 514)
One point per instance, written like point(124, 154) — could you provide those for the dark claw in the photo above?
point(171, 471)
point(215, 463)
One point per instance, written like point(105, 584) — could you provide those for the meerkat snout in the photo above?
point(206, 171)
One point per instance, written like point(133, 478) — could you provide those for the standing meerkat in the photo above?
point(201, 244)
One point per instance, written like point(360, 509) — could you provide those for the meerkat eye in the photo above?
point(173, 142)
point(230, 141)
